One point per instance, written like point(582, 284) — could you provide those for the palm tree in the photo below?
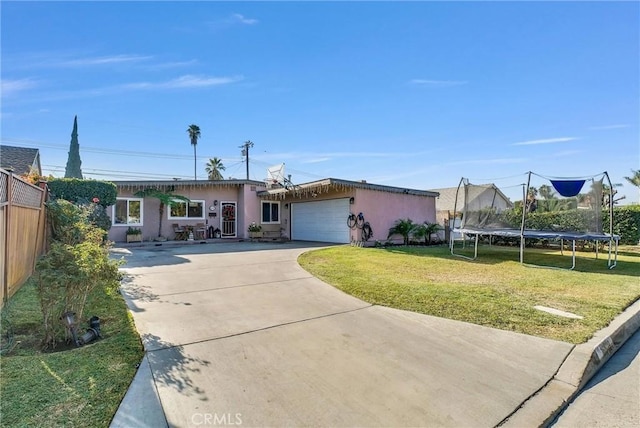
point(402, 227)
point(425, 230)
point(165, 198)
point(213, 168)
point(545, 191)
point(635, 178)
point(555, 204)
point(531, 203)
point(194, 134)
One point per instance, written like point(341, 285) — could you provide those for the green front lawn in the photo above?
point(495, 290)
point(79, 387)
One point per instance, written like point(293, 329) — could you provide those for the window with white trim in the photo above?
point(183, 210)
point(127, 212)
point(270, 212)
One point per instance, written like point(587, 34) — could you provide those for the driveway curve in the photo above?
point(240, 334)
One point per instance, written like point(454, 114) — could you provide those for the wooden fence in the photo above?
point(22, 231)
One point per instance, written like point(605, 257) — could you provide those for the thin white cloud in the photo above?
point(230, 21)
point(174, 64)
point(241, 19)
point(437, 83)
point(317, 160)
point(545, 141)
point(187, 81)
point(102, 60)
point(13, 86)
point(603, 128)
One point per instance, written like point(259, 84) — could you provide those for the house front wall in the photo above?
point(249, 206)
point(246, 207)
point(382, 209)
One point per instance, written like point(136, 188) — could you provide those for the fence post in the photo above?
point(7, 237)
point(42, 231)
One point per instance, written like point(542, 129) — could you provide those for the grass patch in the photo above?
point(495, 290)
point(76, 388)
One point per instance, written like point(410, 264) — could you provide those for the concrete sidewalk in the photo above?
point(240, 334)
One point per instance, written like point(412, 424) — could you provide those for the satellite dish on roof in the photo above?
point(275, 174)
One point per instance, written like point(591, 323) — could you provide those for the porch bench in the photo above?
point(270, 234)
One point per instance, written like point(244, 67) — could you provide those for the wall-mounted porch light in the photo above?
point(352, 200)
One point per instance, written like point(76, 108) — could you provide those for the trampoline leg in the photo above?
point(596, 244)
point(475, 251)
point(615, 261)
point(561, 247)
point(573, 265)
point(464, 240)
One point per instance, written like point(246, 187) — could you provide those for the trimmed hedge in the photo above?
point(626, 223)
point(83, 191)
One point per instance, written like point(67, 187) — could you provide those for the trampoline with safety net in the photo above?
point(553, 210)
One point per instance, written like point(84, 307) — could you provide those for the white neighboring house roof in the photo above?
point(447, 199)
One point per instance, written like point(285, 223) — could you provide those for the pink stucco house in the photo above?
point(314, 211)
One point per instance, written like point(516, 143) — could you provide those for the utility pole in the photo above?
point(245, 152)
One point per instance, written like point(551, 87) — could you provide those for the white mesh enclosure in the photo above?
point(566, 204)
point(550, 211)
point(482, 206)
point(549, 204)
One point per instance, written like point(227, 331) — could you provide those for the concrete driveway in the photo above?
point(239, 334)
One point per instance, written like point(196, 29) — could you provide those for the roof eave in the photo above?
point(327, 182)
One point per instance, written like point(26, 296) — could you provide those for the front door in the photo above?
point(228, 219)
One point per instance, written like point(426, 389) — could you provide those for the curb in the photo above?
point(578, 368)
point(141, 406)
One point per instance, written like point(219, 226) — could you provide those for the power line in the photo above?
point(99, 170)
point(130, 153)
point(90, 149)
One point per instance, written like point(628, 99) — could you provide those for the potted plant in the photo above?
point(134, 234)
point(255, 230)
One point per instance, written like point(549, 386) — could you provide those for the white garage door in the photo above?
point(322, 221)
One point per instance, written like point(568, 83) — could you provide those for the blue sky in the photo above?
point(408, 94)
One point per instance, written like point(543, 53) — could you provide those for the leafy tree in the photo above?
point(532, 203)
point(425, 230)
point(403, 227)
point(34, 177)
point(165, 198)
point(213, 168)
point(194, 135)
point(73, 169)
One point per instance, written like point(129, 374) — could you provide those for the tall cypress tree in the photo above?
point(73, 169)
